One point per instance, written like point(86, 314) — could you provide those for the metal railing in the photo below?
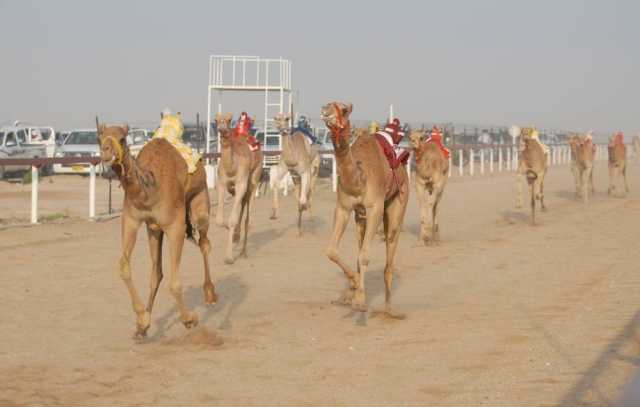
point(476, 159)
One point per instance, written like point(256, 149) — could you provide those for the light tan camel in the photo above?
point(636, 146)
point(432, 168)
point(582, 157)
point(367, 186)
point(617, 166)
point(533, 166)
point(239, 173)
point(301, 159)
point(159, 192)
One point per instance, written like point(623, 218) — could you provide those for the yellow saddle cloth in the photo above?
point(171, 129)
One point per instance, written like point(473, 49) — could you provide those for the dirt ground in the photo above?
point(500, 314)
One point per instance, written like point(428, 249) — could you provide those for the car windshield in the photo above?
point(82, 137)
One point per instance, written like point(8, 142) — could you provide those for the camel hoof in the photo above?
point(273, 217)
point(345, 299)
point(228, 260)
point(244, 255)
point(191, 321)
point(139, 335)
point(210, 297)
point(389, 314)
point(236, 238)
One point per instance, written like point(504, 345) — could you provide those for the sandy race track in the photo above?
point(500, 314)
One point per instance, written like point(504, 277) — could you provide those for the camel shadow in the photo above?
point(512, 217)
point(232, 292)
point(374, 291)
point(567, 195)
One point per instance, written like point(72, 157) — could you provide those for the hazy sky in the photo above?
point(563, 64)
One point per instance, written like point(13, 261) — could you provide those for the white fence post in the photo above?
point(482, 161)
point(334, 174)
point(491, 160)
point(409, 167)
point(515, 159)
point(460, 162)
point(34, 194)
point(92, 191)
point(500, 159)
point(509, 159)
point(450, 165)
point(472, 160)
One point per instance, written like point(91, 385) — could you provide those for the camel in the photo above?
point(301, 159)
point(239, 173)
point(368, 187)
point(159, 192)
point(617, 165)
point(532, 165)
point(432, 168)
point(582, 157)
point(636, 146)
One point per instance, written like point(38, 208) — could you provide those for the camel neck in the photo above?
point(351, 177)
point(226, 154)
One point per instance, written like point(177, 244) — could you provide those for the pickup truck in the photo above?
point(37, 135)
point(13, 145)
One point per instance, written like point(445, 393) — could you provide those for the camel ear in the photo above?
point(125, 128)
point(228, 117)
point(348, 108)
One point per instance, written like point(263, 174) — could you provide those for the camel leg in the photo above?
point(423, 201)
point(176, 236)
point(277, 172)
point(436, 224)
point(543, 207)
point(624, 175)
point(611, 179)
point(374, 218)
point(246, 208)
point(591, 187)
point(220, 211)
point(155, 249)
point(576, 179)
point(533, 202)
point(393, 218)
point(519, 183)
point(200, 207)
point(585, 185)
point(129, 232)
point(234, 219)
point(341, 218)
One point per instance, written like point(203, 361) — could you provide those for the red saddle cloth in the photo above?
point(390, 153)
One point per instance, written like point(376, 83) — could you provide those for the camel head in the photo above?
point(282, 122)
point(223, 124)
point(336, 115)
point(113, 143)
point(415, 137)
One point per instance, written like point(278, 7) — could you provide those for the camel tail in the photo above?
point(190, 231)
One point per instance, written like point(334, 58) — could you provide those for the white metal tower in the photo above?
point(270, 76)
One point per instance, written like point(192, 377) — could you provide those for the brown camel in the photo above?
point(159, 192)
point(617, 166)
point(239, 173)
point(582, 157)
point(301, 159)
point(533, 166)
point(369, 187)
point(432, 168)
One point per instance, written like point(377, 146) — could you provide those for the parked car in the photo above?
point(40, 135)
point(79, 143)
point(13, 145)
point(137, 139)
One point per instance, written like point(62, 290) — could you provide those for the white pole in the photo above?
point(500, 159)
point(92, 191)
point(208, 114)
point(450, 165)
point(460, 169)
point(515, 159)
point(409, 167)
point(34, 194)
point(509, 162)
point(334, 174)
point(390, 112)
point(472, 160)
point(491, 160)
point(482, 161)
